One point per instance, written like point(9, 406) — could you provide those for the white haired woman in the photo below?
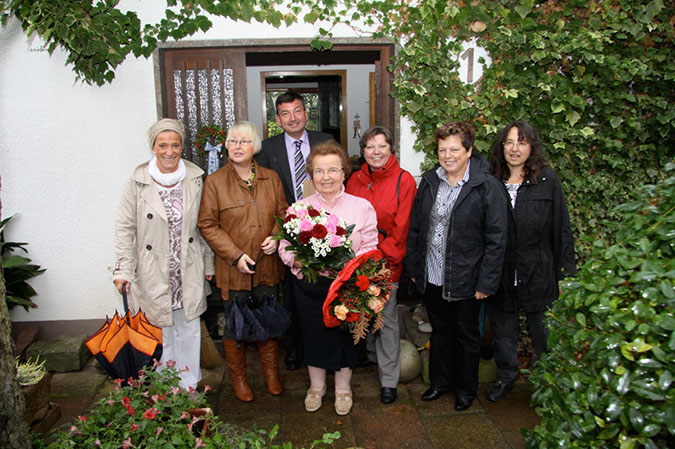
point(162, 260)
point(236, 218)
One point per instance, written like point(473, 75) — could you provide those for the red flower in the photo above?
point(313, 213)
point(207, 129)
point(222, 133)
point(362, 282)
point(126, 401)
point(197, 145)
point(134, 427)
point(351, 317)
point(340, 231)
point(289, 217)
point(319, 231)
point(131, 411)
point(82, 418)
point(150, 413)
point(304, 237)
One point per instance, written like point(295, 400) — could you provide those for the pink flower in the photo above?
point(144, 394)
point(111, 402)
point(306, 225)
point(184, 415)
point(175, 390)
point(155, 398)
point(159, 430)
point(341, 312)
point(301, 212)
point(134, 427)
point(199, 443)
point(127, 443)
point(333, 220)
point(97, 443)
point(186, 368)
point(72, 429)
point(170, 363)
point(376, 305)
point(332, 228)
point(374, 290)
point(118, 383)
point(335, 241)
point(206, 388)
point(156, 363)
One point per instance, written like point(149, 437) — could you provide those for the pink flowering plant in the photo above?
point(150, 412)
point(319, 239)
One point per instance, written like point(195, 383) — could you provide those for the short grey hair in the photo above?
point(251, 130)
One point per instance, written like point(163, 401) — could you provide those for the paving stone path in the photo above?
point(408, 423)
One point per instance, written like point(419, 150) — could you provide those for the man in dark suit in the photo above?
point(286, 154)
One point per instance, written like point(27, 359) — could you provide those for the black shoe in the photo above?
point(388, 395)
point(462, 403)
point(432, 394)
point(499, 390)
point(292, 361)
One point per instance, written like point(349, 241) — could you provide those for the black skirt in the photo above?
point(329, 348)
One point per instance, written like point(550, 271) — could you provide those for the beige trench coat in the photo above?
point(142, 247)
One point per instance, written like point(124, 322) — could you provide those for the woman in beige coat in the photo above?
point(162, 260)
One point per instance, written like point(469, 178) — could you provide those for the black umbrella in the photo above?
point(126, 344)
point(257, 319)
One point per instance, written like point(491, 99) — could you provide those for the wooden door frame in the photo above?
point(386, 105)
point(343, 93)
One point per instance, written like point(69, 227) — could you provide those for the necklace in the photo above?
point(249, 181)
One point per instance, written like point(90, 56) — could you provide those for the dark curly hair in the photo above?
point(534, 163)
point(461, 129)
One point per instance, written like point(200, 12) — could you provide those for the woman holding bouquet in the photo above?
point(329, 348)
point(391, 190)
point(456, 246)
point(236, 218)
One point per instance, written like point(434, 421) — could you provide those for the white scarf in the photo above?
point(166, 179)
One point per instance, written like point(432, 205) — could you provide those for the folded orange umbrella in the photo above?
point(126, 344)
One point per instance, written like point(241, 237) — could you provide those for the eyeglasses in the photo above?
point(234, 142)
point(331, 171)
point(521, 145)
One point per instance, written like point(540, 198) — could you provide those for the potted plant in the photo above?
point(35, 387)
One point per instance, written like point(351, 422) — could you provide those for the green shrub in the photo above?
point(605, 382)
point(17, 270)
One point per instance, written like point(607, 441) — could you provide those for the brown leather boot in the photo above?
point(269, 358)
point(236, 364)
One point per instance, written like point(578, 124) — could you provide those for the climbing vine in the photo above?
point(595, 77)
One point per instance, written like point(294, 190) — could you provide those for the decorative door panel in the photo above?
point(203, 87)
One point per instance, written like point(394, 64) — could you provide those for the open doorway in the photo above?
point(325, 99)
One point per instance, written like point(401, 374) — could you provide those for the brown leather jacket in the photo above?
point(235, 220)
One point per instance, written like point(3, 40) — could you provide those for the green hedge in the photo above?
point(606, 381)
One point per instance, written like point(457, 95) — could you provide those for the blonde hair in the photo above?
point(251, 130)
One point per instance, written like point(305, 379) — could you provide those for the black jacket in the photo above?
point(273, 155)
point(476, 238)
point(540, 249)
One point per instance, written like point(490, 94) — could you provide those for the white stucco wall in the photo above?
point(65, 150)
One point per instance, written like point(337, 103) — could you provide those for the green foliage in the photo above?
point(98, 37)
point(154, 412)
point(595, 78)
point(17, 271)
point(606, 381)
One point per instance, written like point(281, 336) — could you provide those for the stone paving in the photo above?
point(408, 423)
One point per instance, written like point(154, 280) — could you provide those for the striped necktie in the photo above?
point(300, 170)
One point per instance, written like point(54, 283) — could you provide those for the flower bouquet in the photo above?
point(319, 239)
point(357, 296)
